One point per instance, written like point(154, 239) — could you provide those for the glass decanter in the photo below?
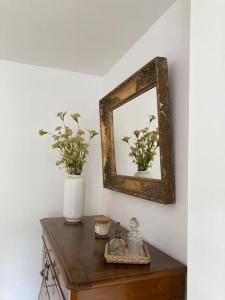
point(117, 245)
point(134, 239)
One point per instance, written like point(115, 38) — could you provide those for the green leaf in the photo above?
point(58, 162)
point(42, 132)
point(125, 139)
point(56, 137)
point(61, 115)
point(80, 132)
point(152, 117)
point(92, 133)
point(136, 133)
point(75, 117)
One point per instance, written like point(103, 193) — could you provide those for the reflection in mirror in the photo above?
point(136, 137)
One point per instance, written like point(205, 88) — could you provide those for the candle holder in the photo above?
point(102, 226)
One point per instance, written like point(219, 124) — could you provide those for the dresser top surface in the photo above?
point(81, 256)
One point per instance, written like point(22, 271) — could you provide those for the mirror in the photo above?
point(136, 139)
point(136, 135)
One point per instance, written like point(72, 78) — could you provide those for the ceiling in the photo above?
point(86, 36)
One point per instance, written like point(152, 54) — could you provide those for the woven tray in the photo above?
point(140, 260)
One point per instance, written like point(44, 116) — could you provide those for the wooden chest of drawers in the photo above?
point(74, 268)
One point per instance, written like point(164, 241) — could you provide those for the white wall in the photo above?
point(31, 187)
point(163, 226)
point(206, 212)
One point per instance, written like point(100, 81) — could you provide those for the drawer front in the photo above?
point(50, 289)
point(55, 270)
point(165, 287)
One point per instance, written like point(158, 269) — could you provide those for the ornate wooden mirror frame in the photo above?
point(152, 75)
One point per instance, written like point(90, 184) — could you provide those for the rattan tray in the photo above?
point(140, 260)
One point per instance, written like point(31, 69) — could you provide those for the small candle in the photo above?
point(102, 225)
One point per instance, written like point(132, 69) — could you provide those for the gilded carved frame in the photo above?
point(153, 74)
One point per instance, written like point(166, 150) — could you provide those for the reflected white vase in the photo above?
point(143, 174)
point(73, 205)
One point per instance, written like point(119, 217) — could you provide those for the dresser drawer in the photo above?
point(55, 270)
point(50, 289)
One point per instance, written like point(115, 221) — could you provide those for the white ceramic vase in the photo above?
point(73, 206)
point(143, 174)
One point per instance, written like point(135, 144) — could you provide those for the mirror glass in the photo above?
point(136, 136)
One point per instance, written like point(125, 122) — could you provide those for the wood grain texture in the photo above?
point(161, 288)
point(55, 267)
point(74, 295)
point(153, 74)
point(79, 256)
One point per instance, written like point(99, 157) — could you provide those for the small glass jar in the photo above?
point(135, 246)
point(135, 243)
point(102, 226)
point(117, 244)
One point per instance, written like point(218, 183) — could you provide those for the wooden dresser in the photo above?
point(74, 268)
